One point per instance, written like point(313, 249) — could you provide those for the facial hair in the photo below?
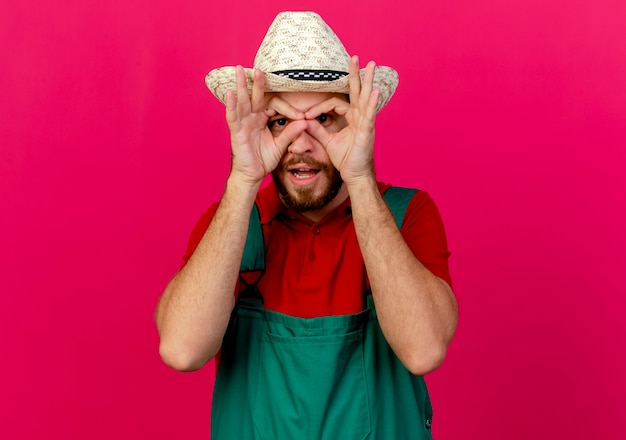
point(305, 199)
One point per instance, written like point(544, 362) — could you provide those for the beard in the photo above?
point(309, 198)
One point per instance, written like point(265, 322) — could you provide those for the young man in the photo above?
point(324, 313)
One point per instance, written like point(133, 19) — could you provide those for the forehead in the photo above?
point(305, 100)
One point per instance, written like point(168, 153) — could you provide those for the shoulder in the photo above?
point(268, 203)
point(199, 229)
point(413, 199)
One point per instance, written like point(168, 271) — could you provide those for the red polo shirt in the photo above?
point(316, 268)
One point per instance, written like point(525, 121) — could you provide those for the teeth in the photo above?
point(303, 173)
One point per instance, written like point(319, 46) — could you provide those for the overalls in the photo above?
point(282, 377)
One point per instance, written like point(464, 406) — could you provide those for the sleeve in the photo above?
point(425, 235)
point(198, 231)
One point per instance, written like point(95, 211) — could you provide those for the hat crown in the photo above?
point(301, 53)
point(301, 41)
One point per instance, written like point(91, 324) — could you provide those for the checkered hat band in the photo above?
point(311, 75)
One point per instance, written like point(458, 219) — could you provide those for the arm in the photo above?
point(194, 310)
point(417, 311)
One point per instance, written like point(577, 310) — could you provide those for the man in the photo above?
point(323, 313)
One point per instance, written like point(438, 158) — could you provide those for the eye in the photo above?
point(323, 118)
point(276, 126)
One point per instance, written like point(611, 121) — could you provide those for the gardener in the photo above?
point(325, 295)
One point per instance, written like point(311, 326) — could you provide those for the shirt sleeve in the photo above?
point(425, 235)
point(198, 232)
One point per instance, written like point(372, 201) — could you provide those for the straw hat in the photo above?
point(299, 53)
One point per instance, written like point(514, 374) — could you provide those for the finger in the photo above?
point(257, 99)
point(282, 107)
point(354, 79)
point(243, 96)
point(318, 131)
point(372, 105)
point(268, 108)
point(368, 82)
point(231, 107)
point(337, 104)
point(290, 134)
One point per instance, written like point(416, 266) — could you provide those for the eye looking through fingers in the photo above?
point(277, 124)
point(323, 118)
point(332, 121)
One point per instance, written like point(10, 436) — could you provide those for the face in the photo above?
point(306, 179)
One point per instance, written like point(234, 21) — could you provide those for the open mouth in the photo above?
point(303, 173)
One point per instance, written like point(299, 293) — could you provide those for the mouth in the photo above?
point(302, 173)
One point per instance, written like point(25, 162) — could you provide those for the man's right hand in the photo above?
point(255, 151)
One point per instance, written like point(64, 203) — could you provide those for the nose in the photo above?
point(304, 143)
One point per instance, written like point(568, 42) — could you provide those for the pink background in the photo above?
point(512, 114)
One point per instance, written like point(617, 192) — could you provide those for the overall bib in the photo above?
point(282, 377)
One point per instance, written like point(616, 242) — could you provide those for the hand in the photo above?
point(255, 151)
point(351, 150)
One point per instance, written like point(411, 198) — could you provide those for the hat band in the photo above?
point(311, 75)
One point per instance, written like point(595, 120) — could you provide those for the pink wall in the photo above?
point(511, 114)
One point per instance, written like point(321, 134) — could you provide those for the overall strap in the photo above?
point(253, 259)
point(254, 251)
point(398, 199)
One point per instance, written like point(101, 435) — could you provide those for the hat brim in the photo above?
point(219, 81)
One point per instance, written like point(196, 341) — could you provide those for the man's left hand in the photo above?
point(351, 150)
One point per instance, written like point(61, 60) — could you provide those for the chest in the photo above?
point(312, 269)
